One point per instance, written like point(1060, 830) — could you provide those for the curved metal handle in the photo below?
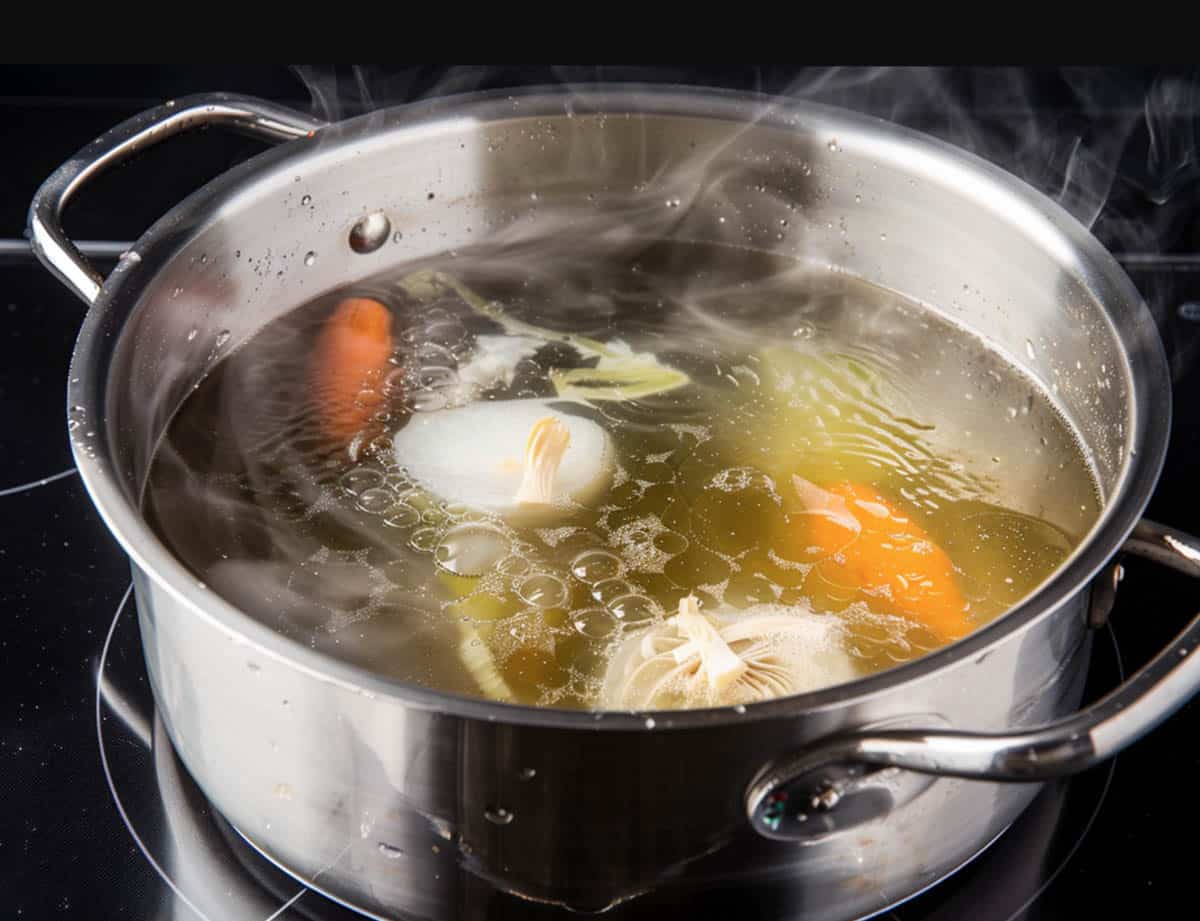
point(1067, 746)
point(255, 117)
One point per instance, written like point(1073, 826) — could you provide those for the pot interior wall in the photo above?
point(813, 184)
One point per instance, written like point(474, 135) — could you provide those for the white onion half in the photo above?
point(475, 456)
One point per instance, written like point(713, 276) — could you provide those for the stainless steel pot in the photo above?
point(398, 798)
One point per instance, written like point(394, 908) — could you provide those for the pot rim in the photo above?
point(1146, 367)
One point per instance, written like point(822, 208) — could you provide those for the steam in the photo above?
point(1072, 133)
point(1102, 144)
point(1116, 147)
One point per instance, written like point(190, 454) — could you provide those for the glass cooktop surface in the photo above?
point(99, 820)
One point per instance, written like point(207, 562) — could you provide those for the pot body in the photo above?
point(399, 799)
point(394, 807)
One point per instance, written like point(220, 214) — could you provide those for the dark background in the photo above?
point(63, 849)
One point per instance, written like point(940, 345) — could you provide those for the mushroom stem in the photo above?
point(722, 666)
point(548, 441)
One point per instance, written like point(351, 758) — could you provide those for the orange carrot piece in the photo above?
point(351, 360)
point(870, 543)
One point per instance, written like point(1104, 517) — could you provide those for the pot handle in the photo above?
point(819, 777)
point(244, 114)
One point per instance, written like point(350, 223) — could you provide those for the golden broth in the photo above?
point(793, 371)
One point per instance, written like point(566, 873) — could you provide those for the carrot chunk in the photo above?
point(349, 365)
point(868, 542)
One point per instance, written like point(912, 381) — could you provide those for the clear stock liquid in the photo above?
point(793, 371)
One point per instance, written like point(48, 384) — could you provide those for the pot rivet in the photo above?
point(370, 233)
point(826, 798)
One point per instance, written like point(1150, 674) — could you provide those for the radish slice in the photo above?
point(476, 456)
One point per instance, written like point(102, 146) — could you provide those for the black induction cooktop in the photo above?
point(97, 818)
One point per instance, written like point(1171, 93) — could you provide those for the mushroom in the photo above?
point(724, 659)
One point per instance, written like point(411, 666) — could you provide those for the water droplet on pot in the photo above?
point(389, 851)
point(498, 815)
point(192, 333)
point(310, 258)
point(306, 200)
point(222, 337)
point(370, 232)
point(527, 774)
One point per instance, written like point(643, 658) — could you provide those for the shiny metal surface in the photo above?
point(213, 875)
point(326, 767)
point(52, 246)
point(1066, 746)
point(1104, 595)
